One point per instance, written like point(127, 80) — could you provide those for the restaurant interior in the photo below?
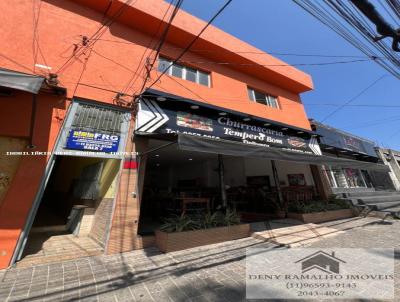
point(177, 181)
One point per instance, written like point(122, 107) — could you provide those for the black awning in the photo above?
point(20, 81)
point(203, 144)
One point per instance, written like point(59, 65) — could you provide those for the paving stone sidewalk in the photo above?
point(210, 273)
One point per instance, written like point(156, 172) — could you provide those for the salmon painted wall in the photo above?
point(56, 26)
point(115, 57)
point(15, 114)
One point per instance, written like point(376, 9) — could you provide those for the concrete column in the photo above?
point(123, 235)
point(392, 164)
point(321, 182)
point(395, 169)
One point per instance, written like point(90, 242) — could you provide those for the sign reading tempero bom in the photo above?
point(92, 141)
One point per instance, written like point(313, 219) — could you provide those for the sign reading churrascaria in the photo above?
point(92, 141)
point(170, 117)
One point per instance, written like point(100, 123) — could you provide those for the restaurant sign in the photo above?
point(92, 141)
point(168, 118)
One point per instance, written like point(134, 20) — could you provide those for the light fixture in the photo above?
point(190, 158)
point(328, 148)
point(157, 155)
point(157, 165)
point(161, 99)
point(285, 128)
point(194, 107)
point(343, 151)
point(355, 153)
point(246, 119)
point(267, 124)
point(300, 132)
point(222, 113)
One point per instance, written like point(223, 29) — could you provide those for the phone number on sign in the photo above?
point(330, 293)
point(301, 285)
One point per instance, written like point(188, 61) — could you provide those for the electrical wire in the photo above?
point(36, 49)
point(191, 43)
point(141, 66)
point(353, 98)
point(346, 20)
point(275, 65)
point(93, 38)
point(161, 43)
point(266, 53)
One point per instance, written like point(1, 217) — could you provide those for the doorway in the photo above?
point(74, 211)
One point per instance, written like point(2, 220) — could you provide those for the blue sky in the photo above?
point(281, 26)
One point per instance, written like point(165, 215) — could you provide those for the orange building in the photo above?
point(79, 152)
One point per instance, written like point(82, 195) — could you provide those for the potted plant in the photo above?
point(185, 231)
point(320, 211)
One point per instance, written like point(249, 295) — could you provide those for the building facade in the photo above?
point(341, 144)
point(88, 59)
point(391, 158)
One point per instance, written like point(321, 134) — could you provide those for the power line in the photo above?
point(93, 38)
point(192, 42)
point(162, 41)
point(275, 65)
point(83, 71)
point(134, 77)
point(265, 53)
point(353, 105)
point(356, 29)
point(353, 98)
point(36, 49)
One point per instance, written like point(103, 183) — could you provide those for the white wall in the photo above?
point(285, 167)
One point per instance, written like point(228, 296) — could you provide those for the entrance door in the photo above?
point(100, 131)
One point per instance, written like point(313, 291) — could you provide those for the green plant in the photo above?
point(230, 217)
point(210, 220)
point(318, 206)
point(180, 223)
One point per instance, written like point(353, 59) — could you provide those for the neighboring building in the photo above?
point(391, 158)
point(338, 143)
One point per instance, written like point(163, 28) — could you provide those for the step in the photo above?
point(366, 194)
point(384, 205)
point(378, 199)
point(395, 211)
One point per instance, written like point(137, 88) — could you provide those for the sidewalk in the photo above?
point(209, 273)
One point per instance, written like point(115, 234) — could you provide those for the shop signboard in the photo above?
point(92, 141)
point(177, 117)
point(336, 138)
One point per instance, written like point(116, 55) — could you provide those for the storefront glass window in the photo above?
point(367, 178)
point(354, 178)
point(329, 176)
point(340, 178)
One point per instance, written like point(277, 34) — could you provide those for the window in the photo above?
point(184, 72)
point(263, 98)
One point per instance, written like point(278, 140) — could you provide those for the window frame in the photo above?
point(252, 96)
point(184, 71)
